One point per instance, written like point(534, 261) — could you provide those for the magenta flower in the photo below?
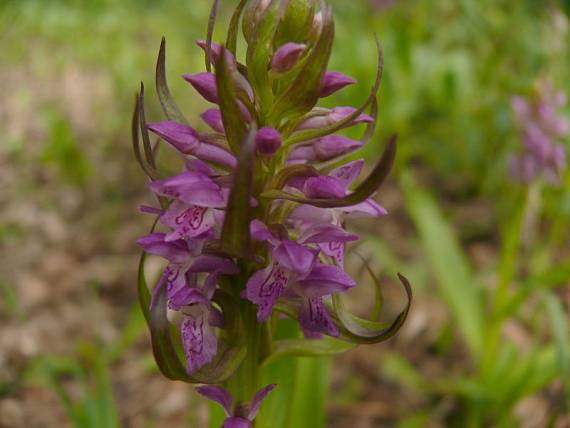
point(541, 127)
point(253, 229)
point(334, 81)
point(238, 416)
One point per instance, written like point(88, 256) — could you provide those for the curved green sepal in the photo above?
point(235, 232)
point(303, 93)
point(327, 346)
point(311, 134)
point(361, 331)
point(360, 194)
point(169, 106)
point(135, 126)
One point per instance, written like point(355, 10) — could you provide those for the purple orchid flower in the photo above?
point(237, 416)
point(187, 141)
point(194, 210)
point(213, 118)
point(294, 268)
point(541, 126)
point(183, 294)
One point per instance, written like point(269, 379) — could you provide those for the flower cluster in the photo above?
point(541, 126)
point(254, 223)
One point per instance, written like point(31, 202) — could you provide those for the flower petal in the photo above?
point(187, 221)
point(214, 264)
point(213, 118)
point(267, 141)
point(260, 232)
point(256, 401)
point(181, 137)
point(323, 233)
point(324, 187)
point(219, 395)
point(315, 319)
point(175, 251)
point(348, 172)
point(237, 422)
point(324, 280)
point(205, 84)
point(198, 338)
point(264, 288)
point(334, 81)
point(191, 187)
point(325, 148)
point(287, 56)
point(294, 257)
point(368, 207)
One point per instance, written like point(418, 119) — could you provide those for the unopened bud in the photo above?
point(287, 56)
point(268, 141)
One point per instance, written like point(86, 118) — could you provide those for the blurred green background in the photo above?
point(487, 342)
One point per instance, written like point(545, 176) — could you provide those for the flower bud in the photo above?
point(287, 56)
point(267, 141)
point(334, 81)
point(296, 22)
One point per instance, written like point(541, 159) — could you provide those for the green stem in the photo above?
point(246, 381)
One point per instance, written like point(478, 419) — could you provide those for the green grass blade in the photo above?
point(454, 279)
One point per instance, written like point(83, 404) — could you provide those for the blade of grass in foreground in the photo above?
point(454, 279)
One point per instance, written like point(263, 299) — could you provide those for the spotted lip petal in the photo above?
point(315, 319)
point(264, 288)
point(198, 338)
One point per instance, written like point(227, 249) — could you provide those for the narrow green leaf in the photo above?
point(142, 288)
point(148, 150)
point(135, 126)
point(231, 41)
point(169, 106)
point(327, 346)
point(360, 194)
point(303, 93)
point(560, 330)
point(235, 232)
point(454, 279)
point(234, 123)
point(308, 405)
point(358, 332)
point(310, 134)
